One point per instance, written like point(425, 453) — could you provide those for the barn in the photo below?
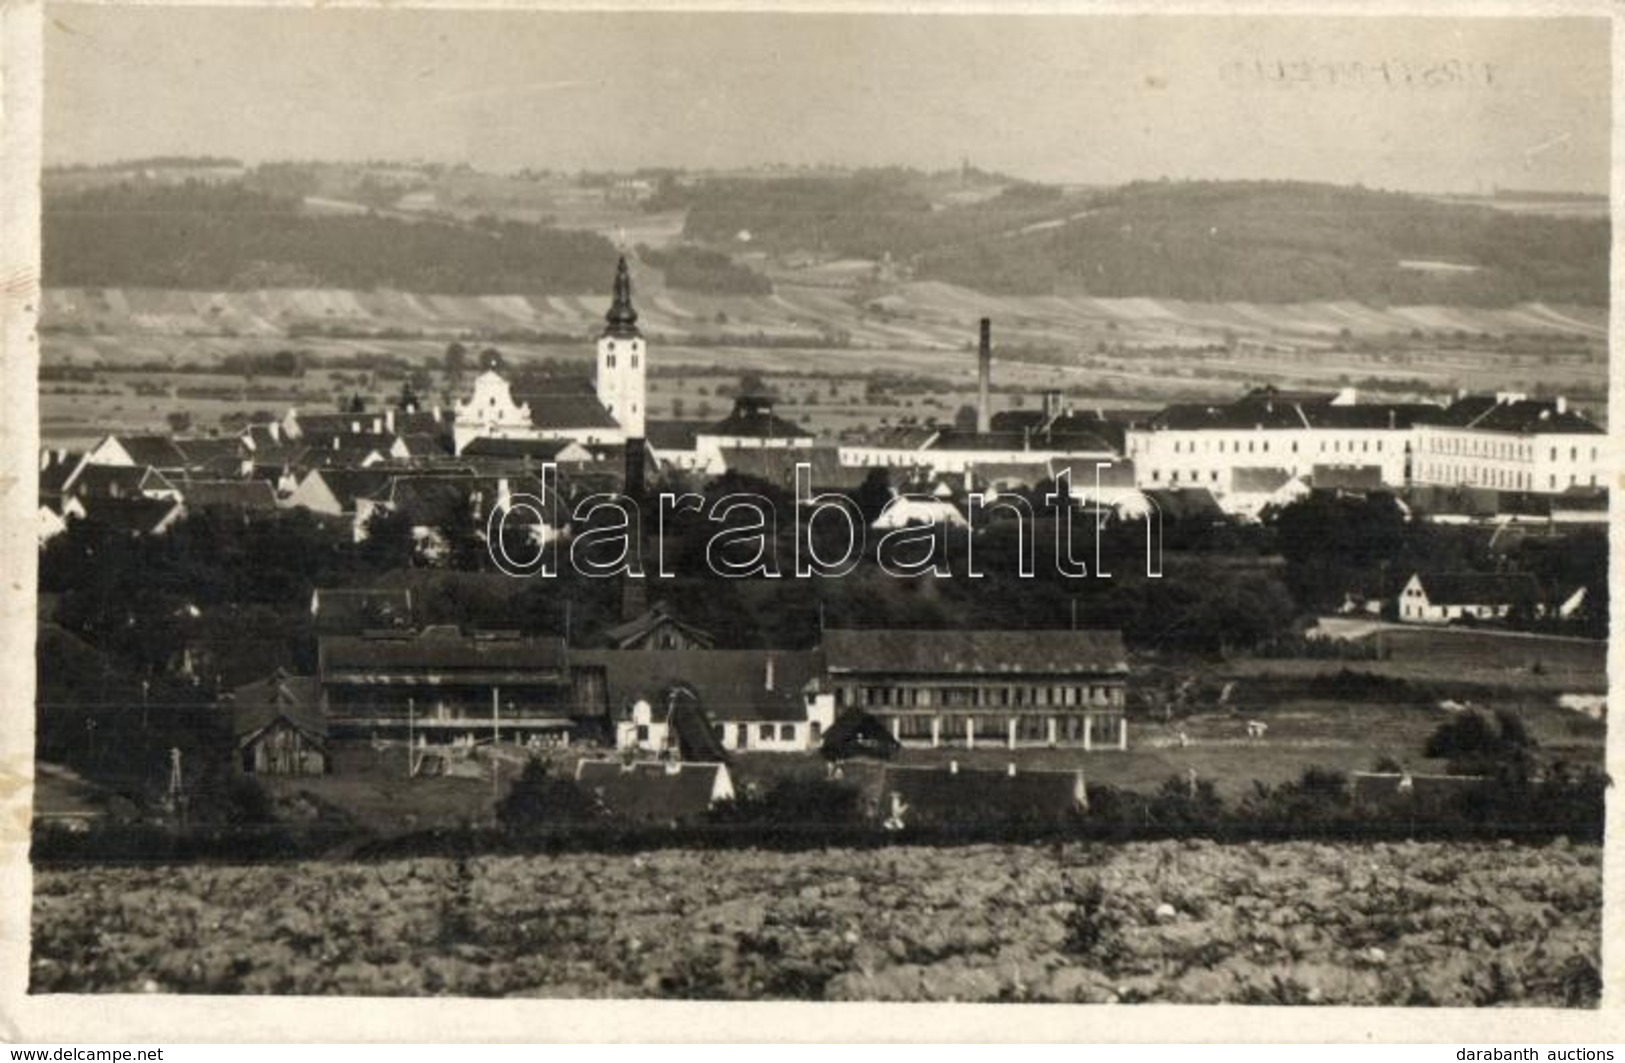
point(279, 726)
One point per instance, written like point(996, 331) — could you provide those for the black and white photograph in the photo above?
point(1064, 507)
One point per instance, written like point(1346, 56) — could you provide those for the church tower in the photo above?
point(621, 377)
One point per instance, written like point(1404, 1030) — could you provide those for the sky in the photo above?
point(1424, 104)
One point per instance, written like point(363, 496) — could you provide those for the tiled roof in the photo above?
point(777, 465)
point(639, 627)
point(138, 516)
point(1522, 416)
point(233, 494)
point(295, 698)
point(1258, 480)
point(55, 468)
point(442, 652)
point(758, 422)
point(1185, 503)
point(1479, 588)
point(730, 685)
point(347, 485)
point(892, 651)
point(1396, 415)
point(1232, 417)
point(539, 450)
point(673, 435)
point(956, 439)
point(158, 451)
point(901, 436)
point(117, 481)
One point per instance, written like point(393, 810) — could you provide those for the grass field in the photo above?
point(1177, 922)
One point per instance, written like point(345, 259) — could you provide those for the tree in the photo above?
point(537, 799)
point(455, 360)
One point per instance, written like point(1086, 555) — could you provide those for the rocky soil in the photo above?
point(1291, 923)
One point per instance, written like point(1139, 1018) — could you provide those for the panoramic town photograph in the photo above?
point(745, 506)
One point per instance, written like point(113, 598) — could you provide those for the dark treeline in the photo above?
point(695, 269)
point(227, 236)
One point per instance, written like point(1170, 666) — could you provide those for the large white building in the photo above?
point(1195, 445)
point(1510, 442)
point(605, 412)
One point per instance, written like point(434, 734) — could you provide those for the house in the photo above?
point(904, 510)
point(134, 516)
point(1441, 598)
point(431, 503)
point(1255, 490)
point(215, 457)
point(971, 688)
point(334, 492)
point(499, 452)
point(54, 517)
point(1510, 442)
point(778, 466)
point(674, 445)
point(751, 425)
point(279, 726)
point(658, 628)
point(749, 700)
point(447, 685)
point(610, 408)
point(1197, 444)
point(950, 796)
point(670, 793)
point(119, 481)
point(154, 451)
point(237, 495)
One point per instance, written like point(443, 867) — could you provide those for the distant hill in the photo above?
point(1267, 242)
point(1270, 242)
point(212, 236)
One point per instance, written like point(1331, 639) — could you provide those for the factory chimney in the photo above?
point(984, 377)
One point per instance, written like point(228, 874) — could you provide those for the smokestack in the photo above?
point(768, 679)
point(984, 376)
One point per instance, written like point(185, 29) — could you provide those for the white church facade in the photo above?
point(610, 413)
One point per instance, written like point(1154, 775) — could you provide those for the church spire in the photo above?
point(622, 319)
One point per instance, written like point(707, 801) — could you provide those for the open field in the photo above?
point(924, 315)
point(1285, 923)
point(1100, 352)
point(1454, 655)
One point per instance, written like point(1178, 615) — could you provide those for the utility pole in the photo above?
point(496, 724)
point(411, 737)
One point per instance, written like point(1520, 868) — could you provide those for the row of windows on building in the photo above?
point(1493, 448)
point(632, 361)
point(1263, 446)
point(765, 732)
point(949, 729)
point(1510, 479)
point(979, 697)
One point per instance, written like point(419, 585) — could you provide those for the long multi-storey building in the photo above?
point(1196, 445)
point(1510, 442)
point(1505, 442)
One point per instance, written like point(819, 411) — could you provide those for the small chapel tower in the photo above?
point(622, 377)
